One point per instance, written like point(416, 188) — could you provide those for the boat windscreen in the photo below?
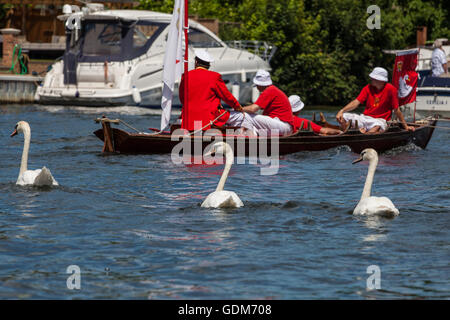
point(200, 39)
point(117, 40)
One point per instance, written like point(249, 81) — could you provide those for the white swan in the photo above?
point(373, 205)
point(221, 198)
point(39, 177)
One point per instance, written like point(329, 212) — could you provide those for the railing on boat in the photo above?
point(262, 49)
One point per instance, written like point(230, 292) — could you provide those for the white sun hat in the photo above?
point(296, 103)
point(437, 43)
point(203, 55)
point(379, 73)
point(262, 78)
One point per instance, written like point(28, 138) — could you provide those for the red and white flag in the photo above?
point(405, 77)
point(173, 61)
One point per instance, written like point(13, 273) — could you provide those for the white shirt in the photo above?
point(437, 60)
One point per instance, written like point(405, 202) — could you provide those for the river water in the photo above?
point(134, 226)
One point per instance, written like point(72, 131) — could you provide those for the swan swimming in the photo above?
point(39, 177)
point(373, 205)
point(222, 198)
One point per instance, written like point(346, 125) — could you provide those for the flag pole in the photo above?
point(186, 64)
point(415, 101)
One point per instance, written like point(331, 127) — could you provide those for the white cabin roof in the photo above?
point(151, 16)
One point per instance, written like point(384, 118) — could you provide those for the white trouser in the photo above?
point(267, 126)
point(364, 121)
point(241, 119)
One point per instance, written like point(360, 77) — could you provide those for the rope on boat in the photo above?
point(441, 119)
point(436, 127)
point(211, 122)
point(117, 121)
point(129, 126)
point(424, 124)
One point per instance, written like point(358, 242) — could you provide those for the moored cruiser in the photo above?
point(433, 93)
point(115, 58)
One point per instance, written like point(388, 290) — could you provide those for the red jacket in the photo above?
point(206, 89)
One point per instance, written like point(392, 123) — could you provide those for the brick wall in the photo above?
point(9, 41)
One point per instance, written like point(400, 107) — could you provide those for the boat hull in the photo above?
point(139, 143)
point(433, 102)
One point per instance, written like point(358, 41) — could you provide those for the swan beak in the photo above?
point(14, 133)
point(357, 160)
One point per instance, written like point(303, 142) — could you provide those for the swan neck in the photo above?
point(228, 162)
point(369, 179)
point(26, 148)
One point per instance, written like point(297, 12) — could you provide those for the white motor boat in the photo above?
point(433, 93)
point(116, 58)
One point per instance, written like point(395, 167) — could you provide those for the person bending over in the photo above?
point(297, 105)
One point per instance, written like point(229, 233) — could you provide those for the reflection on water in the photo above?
point(378, 226)
point(134, 225)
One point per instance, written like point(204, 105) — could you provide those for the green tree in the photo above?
point(325, 49)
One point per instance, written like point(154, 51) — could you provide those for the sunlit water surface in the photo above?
point(134, 226)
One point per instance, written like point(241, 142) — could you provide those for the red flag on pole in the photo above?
point(405, 77)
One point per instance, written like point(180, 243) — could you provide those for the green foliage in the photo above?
point(3, 10)
point(325, 49)
point(157, 5)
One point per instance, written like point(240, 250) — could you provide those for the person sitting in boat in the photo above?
point(438, 60)
point(381, 99)
point(277, 114)
point(206, 90)
point(297, 105)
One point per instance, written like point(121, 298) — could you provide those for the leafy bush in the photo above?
point(325, 50)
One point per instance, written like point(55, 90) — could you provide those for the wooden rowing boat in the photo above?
point(120, 141)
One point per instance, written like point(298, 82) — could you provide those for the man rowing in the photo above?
point(297, 105)
point(381, 99)
point(277, 115)
point(206, 90)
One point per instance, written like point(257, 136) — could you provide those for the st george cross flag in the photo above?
point(405, 77)
point(173, 61)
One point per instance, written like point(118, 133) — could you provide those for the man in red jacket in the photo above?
point(206, 90)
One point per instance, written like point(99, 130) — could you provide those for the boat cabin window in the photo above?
point(142, 33)
point(102, 39)
point(117, 40)
point(199, 39)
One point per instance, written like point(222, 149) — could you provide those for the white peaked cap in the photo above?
point(296, 103)
point(379, 74)
point(203, 55)
point(262, 78)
